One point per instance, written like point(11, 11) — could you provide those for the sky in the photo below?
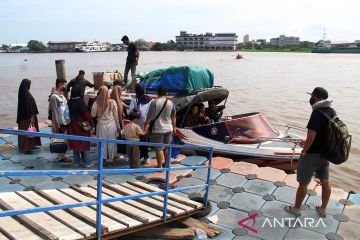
point(162, 20)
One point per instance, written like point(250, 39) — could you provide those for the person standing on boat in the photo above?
point(161, 123)
point(131, 60)
point(311, 161)
point(26, 117)
point(80, 81)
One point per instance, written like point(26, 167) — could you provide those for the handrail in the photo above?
point(296, 141)
point(100, 172)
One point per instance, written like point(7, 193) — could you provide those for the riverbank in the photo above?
point(290, 49)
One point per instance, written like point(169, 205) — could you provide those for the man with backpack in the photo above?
point(59, 112)
point(312, 159)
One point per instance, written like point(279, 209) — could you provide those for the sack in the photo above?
point(151, 126)
point(121, 148)
point(85, 126)
point(31, 129)
point(337, 141)
point(58, 146)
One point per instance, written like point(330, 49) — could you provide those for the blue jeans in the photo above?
point(127, 69)
point(85, 155)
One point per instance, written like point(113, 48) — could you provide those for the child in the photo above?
point(132, 131)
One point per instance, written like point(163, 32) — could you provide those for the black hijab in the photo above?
point(140, 94)
point(77, 106)
point(26, 102)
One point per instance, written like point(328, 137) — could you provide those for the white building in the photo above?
point(282, 40)
point(208, 41)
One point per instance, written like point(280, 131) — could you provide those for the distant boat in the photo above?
point(91, 47)
point(325, 46)
point(238, 56)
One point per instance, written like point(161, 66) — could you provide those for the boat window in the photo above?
point(249, 128)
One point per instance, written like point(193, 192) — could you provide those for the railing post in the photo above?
point(206, 196)
point(167, 183)
point(99, 188)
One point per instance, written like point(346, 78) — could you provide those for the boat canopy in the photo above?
point(217, 94)
point(181, 80)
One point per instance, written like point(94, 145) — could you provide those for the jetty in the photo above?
point(246, 200)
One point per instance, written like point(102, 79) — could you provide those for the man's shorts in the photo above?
point(160, 138)
point(310, 164)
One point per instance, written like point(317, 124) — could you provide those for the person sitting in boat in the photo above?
point(193, 119)
point(203, 118)
point(214, 112)
point(238, 56)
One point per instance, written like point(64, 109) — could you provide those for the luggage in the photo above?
point(58, 145)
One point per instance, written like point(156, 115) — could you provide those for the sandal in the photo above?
point(290, 209)
point(321, 211)
point(65, 160)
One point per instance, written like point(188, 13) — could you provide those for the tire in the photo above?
point(205, 211)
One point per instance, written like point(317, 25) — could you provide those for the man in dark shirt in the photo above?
point(311, 161)
point(131, 60)
point(80, 81)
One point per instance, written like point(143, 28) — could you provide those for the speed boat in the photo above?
point(248, 137)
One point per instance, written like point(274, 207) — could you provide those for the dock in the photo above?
point(238, 191)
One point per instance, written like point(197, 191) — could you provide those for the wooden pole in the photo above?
point(60, 69)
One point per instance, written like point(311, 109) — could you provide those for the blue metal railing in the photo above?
point(100, 172)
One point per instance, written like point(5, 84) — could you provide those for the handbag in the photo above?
point(58, 146)
point(152, 122)
point(31, 128)
point(85, 126)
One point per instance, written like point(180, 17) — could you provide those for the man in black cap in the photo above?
point(81, 81)
point(132, 58)
point(311, 161)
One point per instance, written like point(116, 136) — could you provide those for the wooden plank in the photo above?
point(194, 223)
point(40, 223)
point(133, 203)
point(147, 200)
point(159, 198)
point(2, 236)
point(79, 213)
point(167, 233)
point(172, 196)
point(60, 215)
point(12, 229)
point(90, 213)
point(123, 207)
point(106, 211)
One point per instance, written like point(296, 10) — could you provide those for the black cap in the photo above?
point(320, 92)
point(81, 72)
point(125, 38)
point(119, 82)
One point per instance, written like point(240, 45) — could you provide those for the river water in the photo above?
point(272, 83)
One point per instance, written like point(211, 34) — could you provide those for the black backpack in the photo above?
point(337, 140)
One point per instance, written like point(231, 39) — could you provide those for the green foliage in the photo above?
point(36, 46)
point(5, 47)
point(141, 42)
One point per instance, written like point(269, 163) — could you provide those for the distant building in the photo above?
point(58, 46)
point(282, 40)
point(260, 41)
point(246, 38)
point(208, 41)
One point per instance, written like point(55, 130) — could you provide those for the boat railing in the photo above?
point(100, 172)
point(295, 141)
point(289, 127)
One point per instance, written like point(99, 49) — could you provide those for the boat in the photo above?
point(247, 137)
point(244, 137)
point(325, 46)
point(91, 47)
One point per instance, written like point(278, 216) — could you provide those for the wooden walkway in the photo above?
point(118, 218)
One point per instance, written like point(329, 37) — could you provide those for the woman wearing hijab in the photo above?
point(108, 126)
point(80, 125)
point(140, 104)
point(26, 117)
point(116, 96)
